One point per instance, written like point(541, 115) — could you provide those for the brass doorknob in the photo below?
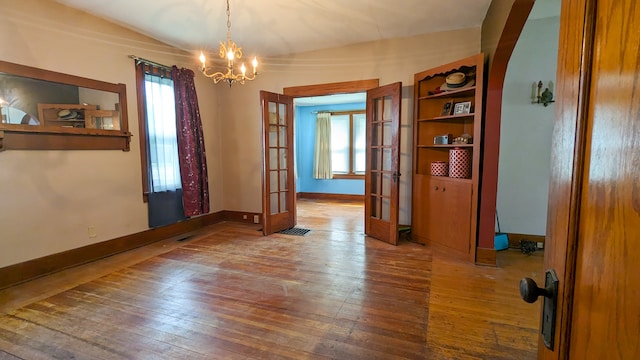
point(529, 290)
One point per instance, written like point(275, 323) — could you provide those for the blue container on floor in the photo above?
point(500, 241)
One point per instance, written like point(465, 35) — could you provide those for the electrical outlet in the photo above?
point(91, 231)
point(540, 245)
point(256, 219)
point(244, 217)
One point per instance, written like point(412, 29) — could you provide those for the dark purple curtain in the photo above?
point(193, 160)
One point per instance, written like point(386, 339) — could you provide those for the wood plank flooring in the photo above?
point(230, 293)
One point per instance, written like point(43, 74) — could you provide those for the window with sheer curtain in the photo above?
point(322, 151)
point(163, 159)
point(348, 139)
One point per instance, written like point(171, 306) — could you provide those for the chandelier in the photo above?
point(231, 51)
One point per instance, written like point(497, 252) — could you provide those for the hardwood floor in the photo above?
point(230, 293)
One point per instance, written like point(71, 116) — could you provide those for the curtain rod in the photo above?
point(141, 60)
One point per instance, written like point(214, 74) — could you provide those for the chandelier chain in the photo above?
point(228, 22)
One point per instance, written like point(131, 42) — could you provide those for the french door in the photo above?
point(382, 180)
point(279, 195)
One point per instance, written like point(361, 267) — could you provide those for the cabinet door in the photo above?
point(449, 214)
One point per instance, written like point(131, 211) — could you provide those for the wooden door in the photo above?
point(382, 178)
point(593, 234)
point(279, 200)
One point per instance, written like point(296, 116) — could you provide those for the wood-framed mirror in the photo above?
point(47, 110)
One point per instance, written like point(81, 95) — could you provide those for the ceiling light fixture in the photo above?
point(231, 51)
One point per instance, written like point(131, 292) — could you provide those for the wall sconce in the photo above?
point(541, 97)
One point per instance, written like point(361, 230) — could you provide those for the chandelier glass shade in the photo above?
point(231, 51)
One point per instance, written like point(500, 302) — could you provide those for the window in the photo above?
point(348, 135)
point(157, 123)
point(164, 167)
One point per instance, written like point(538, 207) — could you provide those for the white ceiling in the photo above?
point(277, 27)
point(269, 28)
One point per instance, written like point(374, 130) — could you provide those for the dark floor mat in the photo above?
point(295, 231)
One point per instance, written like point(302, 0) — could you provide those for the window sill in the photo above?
point(31, 137)
point(348, 176)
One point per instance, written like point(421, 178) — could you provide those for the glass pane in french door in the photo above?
point(273, 200)
point(381, 160)
point(273, 181)
point(278, 186)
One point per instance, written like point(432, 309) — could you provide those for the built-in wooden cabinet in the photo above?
point(447, 116)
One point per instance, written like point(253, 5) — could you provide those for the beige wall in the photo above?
point(50, 198)
point(388, 60)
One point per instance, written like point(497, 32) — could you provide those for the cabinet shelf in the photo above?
point(449, 117)
point(451, 146)
point(468, 91)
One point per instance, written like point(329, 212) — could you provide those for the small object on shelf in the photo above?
point(442, 139)
point(64, 113)
point(446, 108)
point(462, 108)
point(463, 139)
point(457, 81)
point(460, 163)
point(439, 168)
point(67, 114)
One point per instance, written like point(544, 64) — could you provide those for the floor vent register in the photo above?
point(295, 231)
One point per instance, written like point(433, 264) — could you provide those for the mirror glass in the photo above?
point(29, 101)
point(47, 110)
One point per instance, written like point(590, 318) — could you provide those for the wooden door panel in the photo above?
point(456, 214)
point(606, 308)
point(566, 162)
point(279, 211)
point(383, 159)
point(593, 231)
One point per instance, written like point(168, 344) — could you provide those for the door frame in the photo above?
point(485, 251)
point(345, 87)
